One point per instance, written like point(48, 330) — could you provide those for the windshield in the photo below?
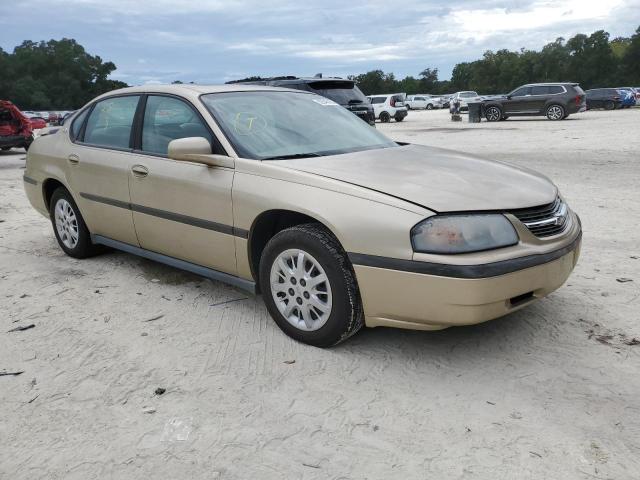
point(265, 125)
point(341, 92)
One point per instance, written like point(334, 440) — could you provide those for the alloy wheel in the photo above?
point(300, 289)
point(493, 114)
point(555, 112)
point(66, 223)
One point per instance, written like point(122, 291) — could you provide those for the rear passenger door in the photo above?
point(538, 99)
point(597, 98)
point(180, 209)
point(99, 165)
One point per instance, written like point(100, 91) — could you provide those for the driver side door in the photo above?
point(180, 209)
point(518, 103)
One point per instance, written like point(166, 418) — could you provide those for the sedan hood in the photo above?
point(440, 180)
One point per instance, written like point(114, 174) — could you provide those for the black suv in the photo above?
point(556, 101)
point(341, 91)
point(607, 98)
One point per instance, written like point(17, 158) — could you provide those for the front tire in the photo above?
point(609, 105)
point(493, 114)
point(385, 117)
point(429, 107)
point(555, 112)
point(69, 227)
point(309, 286)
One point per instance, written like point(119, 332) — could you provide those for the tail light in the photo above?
point(578, 99)
point(392, 102)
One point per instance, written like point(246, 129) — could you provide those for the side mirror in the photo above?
point(509, 97)
point(197, 150)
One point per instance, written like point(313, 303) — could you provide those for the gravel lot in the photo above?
point(549, 392)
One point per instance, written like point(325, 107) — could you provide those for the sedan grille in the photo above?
point(544, 221)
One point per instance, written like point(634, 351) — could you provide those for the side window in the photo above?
point(540, 90)
point(109, 124)
point(166, 119)
point(521, 92)
point(556, 89)
point(77, 124)
point(378, 99)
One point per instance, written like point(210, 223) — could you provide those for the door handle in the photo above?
point(140, 170)
point(73, 159)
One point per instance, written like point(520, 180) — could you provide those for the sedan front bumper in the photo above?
point(406, 299)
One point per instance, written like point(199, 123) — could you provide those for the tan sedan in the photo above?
point(288, 194)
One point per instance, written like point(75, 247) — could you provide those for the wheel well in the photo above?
point(48, 187)
point(265, 226)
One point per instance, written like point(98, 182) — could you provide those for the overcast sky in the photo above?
point(212, 41)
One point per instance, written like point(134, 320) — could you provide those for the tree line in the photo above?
point(53, 75)
point(591, 60)
point(60, 74)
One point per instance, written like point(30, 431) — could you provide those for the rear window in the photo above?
point(342, 92)
point(110, 122)
point(578, 90)
point(77, 124)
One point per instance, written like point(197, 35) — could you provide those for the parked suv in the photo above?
point(556, 101)
point(607, 98)
point(415, 102)
point(464, 98)
point(341, 91)
point(387, 106)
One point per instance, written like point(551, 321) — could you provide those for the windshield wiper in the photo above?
point(292, 156)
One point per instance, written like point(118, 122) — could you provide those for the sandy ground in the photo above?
point(549, 392)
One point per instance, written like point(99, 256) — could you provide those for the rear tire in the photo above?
point(4, 149)
point(399, 119)
point(68, 226)
point(299, 307)
point(429, 107)
point(555, 112)
point(385, 117)
point(609, 105)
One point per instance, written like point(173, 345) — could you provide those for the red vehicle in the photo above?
point(16, 130)
point(37, 122)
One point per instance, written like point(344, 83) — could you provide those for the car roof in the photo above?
point(549, 84)
point(193, 91)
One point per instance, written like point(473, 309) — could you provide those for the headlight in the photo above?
point(463, 233)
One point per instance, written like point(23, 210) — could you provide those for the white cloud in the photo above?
point(482, 23)
point(206, 39)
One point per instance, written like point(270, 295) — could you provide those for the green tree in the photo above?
point(428, 80)
point(56, 75)
point(630, 67)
